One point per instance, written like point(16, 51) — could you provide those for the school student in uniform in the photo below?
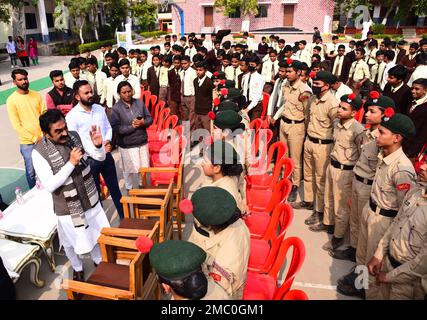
point(153, 74)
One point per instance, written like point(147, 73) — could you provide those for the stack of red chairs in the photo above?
point(268, 219)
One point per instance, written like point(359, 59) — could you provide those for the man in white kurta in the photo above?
point(82, 239)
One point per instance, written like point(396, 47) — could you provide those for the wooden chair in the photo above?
point(159, 178)
point(114, 281)
point(149, 203)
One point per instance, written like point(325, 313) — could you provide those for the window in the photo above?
point(262, 12)
point(236, 14)
point(49, 19)
point(30, 21)
point(160, 9)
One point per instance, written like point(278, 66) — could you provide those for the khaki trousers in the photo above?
point(359, 197)
point(407, 290)
point(316, 160)
point(293, 135)
point(373, 226)
point(337, 197)
point(187, 109)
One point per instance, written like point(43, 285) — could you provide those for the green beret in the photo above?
point(221, 152)
point(218, 75)
point(213, 206)
point(400, 124)
point(290, 63)
point(175, 259)
point(324, 76)
point(227, 105)
point(236, 96)
point(353, 100)
point(230, 84)
point(227, 119)
point(375, 99)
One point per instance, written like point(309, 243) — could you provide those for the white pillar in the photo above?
point(43, 21)
point(377, 11)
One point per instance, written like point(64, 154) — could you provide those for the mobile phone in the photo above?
point(139, 118)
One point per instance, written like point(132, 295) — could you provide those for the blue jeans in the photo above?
point(108, 170)
point(26, 150)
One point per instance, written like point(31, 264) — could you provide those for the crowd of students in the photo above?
point(357, 171)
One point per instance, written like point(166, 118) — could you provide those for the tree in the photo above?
point(247, 7)
point(18, 17)
point(4, 11)
point(144, 12)
point(80, 9)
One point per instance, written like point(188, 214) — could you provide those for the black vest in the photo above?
point(66, 98)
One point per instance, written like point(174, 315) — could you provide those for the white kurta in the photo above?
point(80, 239)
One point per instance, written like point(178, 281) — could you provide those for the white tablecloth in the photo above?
point(34, 219)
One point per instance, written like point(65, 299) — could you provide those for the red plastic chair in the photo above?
point(295, 295)
point(169, 154)
point(258, 222)
point(258, 199)
point(265, 99)
point(359, 115)
point(159, 107)
point(264, 286)
point(156, 146)
point(259, 145)
point(154, 135)
point(264, 251)
point(258, 177)
point(145, 97)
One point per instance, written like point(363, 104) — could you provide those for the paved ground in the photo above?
point(319, 273)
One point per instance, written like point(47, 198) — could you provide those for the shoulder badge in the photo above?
point(403, 186)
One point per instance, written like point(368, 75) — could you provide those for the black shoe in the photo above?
point(193, 144)
point(315, 218)
point(322, 228)
point(350, 290)
point(349, 278)
point(333, 244)
point(79, 276)
point(293, 195)
point(346, 254)
point(303, 205)
point(96, 265)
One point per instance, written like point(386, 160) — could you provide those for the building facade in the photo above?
point(201, 16)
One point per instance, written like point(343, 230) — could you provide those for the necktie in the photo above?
point(248, 87)
point(337, 66)
point(235, 72)
point(354, 71)
point(158, 72)
point(382, 75)
point(95, 86)
point(273, 73)
point(414, 105)
point(182, 83)
point(377, 74)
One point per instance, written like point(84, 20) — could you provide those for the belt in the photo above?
point(286, 120)
point(320, 141)
point(338, 165)
point(188, 96)
point(394, 263)
point(364, 180)
point(383, 212)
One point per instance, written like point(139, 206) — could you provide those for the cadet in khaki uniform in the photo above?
point(222, 167)
point(364, 171)
point(348, 138)
point(400, 261)
point(220, 231)
point(182, 278)
point(394, 177)
point(294, 113)
point(318, 144)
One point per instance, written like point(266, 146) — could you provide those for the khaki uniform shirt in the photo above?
point(348, 140)
point(231, 185)
point(323, 112)
point(296, 100)
point(359, 70)
point(367, 164)
point(227, 256)
point(394, 177)
point(406, 238)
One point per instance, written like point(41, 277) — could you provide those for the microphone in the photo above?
point(71, 145)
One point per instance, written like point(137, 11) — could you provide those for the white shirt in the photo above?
point(419, 72)
point(108, 92)
point(268, 68)
point(80, 120)
point(208, 44)
point(200, 81)
point(370, 56)
point(99, 77)
point(70, 80)
point(163, 77)
point(255, 86)
point(303, 56)
point(378, 69)
point(418, 102)
point(191, 52)
point(145, 66)
point(338, 60)
point(11, 47)
point(134, 82)
point(232, 73)
point(385, 75)
point(187, 80)
point(342, 90)
point(279, 100)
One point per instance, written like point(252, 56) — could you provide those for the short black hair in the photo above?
point(273, 51)
point(124, 62)
point(379, 53)
point(121, 50)
point(193, 286)
point(92, 61)
point(414, 45)
point(398, 71)
point(335, 38)
point(421, 81)
point(341, 46)
point(186, 58)
point(123, 84)
point(48, 118)
point(288, 48)
point(55, 73)
point(167, 43)
point(109, 55)
point(22, 72)
point(362, 51)
point(200, 64)
point(421, 58)
point(131, 51)
point(282, 41)
point(303, 42)
point(389, 54)
point(74, 65)
point(114, 64)
point(78, 84)
point(177, 58)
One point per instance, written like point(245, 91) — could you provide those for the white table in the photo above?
point(33, 222)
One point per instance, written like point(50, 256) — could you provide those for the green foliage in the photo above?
point(95, 45)
point(151, 34)
point(424, 36)
point(247, 7)
point(105, 32)
point(378, 28)
point(5, 13)
point(144, 12)
point(69, 49)
point(117, 10)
